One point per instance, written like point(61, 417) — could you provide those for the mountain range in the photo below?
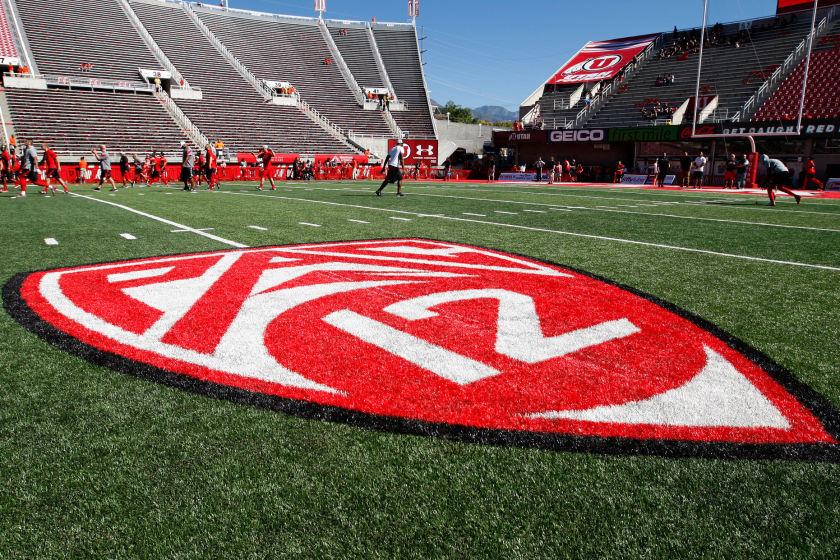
point(493, 113)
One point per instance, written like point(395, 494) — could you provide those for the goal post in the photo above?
point(753, 156)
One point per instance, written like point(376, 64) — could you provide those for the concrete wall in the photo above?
point(470, 137)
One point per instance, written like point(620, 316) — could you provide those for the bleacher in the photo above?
point(355, 48)
point(76, 121)
point(732, 73)
point(822, 97)
point(282, 50)
point(232, 109)
point(7, 43)
point(64, 35)
point(398, 47)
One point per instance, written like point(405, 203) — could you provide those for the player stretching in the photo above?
point(210, 166)
point(267, 172)
point(104, 167)
point(53, 169)
point(394, 163)
point(778, 176)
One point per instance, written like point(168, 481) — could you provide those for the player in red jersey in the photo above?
point(158, 169)
point(163, 164)
point(146, 175)
point(6, 173)
point(210, 166)
point(53, 169)
point(267, 171)
point(199, 173)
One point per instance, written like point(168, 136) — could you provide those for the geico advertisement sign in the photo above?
point(594, 135)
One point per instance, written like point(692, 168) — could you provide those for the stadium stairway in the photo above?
point(280, 50)
point(732, 73)
point(232, 110)
point(74, 121)
point(355, 48)
point(7, 42)
point(398, 47)
point(55, 31)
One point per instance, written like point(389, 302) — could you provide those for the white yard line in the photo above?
point(50, 241)
point(557, 232)
point(259, 228)
point(479, 215)
point(508, 213)
point(189, 230)
point(358, 221)
point(614, 209)
point(127, 236)
point(165, 221)
point(407, 219)
point(535, 211)
point(308, 224)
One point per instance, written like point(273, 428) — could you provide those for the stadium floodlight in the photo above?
point(320, 7)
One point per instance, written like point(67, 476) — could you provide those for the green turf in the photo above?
point(96, 463)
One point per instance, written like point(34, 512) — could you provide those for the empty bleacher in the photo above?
point(354, 46)
point(232, 109)
point(7, 43)
point(398, 47)
point(294, 51)
point(65, 34)
point(822, 96)
point(732, 73)
point(76, 121)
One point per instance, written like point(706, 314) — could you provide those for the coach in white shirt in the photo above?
point(697, 171)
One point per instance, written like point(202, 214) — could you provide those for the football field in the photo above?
point(102, 461)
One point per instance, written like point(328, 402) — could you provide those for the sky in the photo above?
point(495, 52)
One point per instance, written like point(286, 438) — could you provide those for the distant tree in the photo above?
point(458, 113)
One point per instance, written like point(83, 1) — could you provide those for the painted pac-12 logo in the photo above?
point(433, 338)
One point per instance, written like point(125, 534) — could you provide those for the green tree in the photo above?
point(458, 113)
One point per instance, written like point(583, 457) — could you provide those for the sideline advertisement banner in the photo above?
point(601, 60)
point(584, 135)
point(518, 177)
point(832, 185)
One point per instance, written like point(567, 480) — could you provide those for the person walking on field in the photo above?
point(29, 169)
point(394, 163)
point(124, 169)
point(104, 168)
point(210, 166)
point(811, 175)
point(778, 176)
point(53, 169)
point(267, 172)
point(491, 171)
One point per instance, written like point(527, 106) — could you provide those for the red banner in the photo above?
point(601, 60)
point(423, 151)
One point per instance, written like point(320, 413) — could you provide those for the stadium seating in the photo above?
point(7, 44)
point(355, 48)
point(76, 121)
point(732, 73)
point(398, 47)
point(231, 109)
point(822, 98)
point(66, 34)
point(294, 51)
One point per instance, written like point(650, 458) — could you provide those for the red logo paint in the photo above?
point(429, 332)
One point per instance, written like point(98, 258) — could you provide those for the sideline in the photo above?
point(569, 233)
point(165, 221)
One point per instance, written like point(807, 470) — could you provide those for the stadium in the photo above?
point(263, 297)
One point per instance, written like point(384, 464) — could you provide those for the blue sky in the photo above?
point(497, 53)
